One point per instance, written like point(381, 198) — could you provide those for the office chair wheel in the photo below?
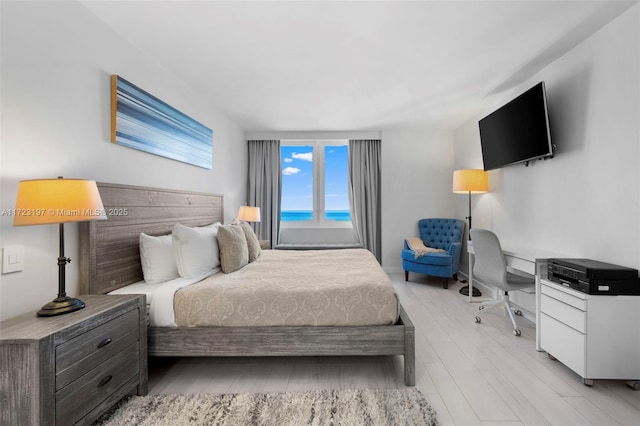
point(551, 357)
point(518, 312)
point(478, 320)
point(517, 332)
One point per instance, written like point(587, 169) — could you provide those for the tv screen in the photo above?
point(518, 132)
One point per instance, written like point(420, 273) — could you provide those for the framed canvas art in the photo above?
point(140, 120)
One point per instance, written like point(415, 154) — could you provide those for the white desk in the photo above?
point(530, 261)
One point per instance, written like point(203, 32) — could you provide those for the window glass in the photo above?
point(336, 183)
point(297, 183)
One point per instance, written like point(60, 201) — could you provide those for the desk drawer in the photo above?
point(564, 343)
point(564, 296)
point(76, 400)
point(567, 314)
point(83, 353)
point(520, 264)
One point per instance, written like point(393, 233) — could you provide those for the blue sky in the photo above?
point(297, 178)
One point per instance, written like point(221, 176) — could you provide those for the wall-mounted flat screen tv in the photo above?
point(517, 132)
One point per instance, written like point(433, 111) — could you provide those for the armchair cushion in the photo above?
point(441, 259)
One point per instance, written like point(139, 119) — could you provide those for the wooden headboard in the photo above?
point(109, 249)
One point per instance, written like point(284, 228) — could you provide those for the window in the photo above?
point(315, 187)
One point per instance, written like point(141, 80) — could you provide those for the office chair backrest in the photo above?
point(490, 265)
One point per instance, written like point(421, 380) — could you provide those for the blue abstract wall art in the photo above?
point(140, 120)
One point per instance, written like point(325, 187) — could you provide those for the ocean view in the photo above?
point(298, 215)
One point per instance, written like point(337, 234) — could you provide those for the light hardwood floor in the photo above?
point(471, 374)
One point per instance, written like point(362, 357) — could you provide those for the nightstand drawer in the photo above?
point(81, 354)
point(79, 398)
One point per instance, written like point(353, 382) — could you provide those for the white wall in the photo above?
point(585, 201)
point(417, 179)
point(56, 62)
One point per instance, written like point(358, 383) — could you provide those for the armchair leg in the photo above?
point(446, 283)
point(406, 275)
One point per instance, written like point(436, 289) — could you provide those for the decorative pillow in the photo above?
point(195, 249)
point(252, 241)
point(234, 253)
point(156, 257)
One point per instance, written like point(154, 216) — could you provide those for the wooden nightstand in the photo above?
point(72, 368)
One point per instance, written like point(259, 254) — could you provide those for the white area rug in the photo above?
point(327, 407)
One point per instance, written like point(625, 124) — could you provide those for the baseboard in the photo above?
point(393, 269)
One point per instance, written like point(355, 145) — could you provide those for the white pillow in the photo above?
point(157, 259)
point(195, 249)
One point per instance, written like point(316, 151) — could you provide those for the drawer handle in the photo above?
point(104, 343)
point(105, 380)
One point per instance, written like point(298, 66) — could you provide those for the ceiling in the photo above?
point(353, 65)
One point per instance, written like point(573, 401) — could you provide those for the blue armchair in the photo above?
point(443, 234)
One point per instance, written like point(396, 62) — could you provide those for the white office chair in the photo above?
point(491, 268)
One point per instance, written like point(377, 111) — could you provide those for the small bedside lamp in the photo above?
point(249, 214)
point(50, 201)
point(470, 181)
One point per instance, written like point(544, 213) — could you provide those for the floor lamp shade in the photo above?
point(474, 181)
point(58, 201)
point(470, 181)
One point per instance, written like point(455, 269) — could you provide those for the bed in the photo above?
point(110, 260)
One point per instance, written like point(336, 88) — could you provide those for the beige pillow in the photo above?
point(234, 253)
point(252, 241)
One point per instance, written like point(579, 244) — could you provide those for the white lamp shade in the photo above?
point(249, 214)
point(474, 181)
point(45, 201)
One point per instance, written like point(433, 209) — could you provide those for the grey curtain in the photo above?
point(265, 187)
point(364, 192)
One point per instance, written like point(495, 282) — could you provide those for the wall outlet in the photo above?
point(12, 259)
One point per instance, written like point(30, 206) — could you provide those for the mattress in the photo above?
point(293, 288)
point(160, 312)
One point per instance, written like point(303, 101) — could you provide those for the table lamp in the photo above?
point(249, 214)
point(470, 181)
point(50, 201)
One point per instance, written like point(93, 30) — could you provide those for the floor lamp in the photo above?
point(57, 201)
point(470, 181)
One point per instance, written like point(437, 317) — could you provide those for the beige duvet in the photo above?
point(289, 287)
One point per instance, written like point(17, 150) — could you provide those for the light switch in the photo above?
point(12, 259)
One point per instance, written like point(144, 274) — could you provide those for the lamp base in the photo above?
point(465, 291)
point(60, 305)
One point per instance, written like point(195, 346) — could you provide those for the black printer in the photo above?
point(594, 277)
